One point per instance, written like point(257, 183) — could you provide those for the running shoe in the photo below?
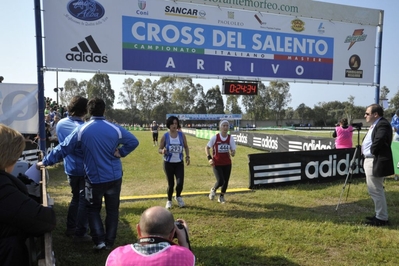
point(212, 194)
point(221, 199)
point(168, 204)
point(180, 202)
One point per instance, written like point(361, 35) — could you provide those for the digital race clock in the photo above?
point(240, 87)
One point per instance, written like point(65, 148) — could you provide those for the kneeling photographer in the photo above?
point(156, 230)
point(343, 134)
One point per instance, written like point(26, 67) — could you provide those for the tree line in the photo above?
point(146, 100)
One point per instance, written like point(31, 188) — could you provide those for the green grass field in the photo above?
point(287, 225)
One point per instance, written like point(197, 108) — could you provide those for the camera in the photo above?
point(358, 126)
point(180, 226)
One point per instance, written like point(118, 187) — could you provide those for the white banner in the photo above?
point(302, 8)
point(175, 38)
point(19, 107)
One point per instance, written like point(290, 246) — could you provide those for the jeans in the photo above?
point(111, 192)
point(77, 213)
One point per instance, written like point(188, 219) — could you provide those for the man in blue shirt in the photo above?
point(77, 223)
point(102, 144)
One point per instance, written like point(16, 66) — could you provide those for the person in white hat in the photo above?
point(223, 147)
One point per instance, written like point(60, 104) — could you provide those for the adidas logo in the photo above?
point(87, 51)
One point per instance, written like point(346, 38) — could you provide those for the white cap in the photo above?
point(222, 122)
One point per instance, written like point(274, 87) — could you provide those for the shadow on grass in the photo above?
point(67, 252)
point(237, 256)
point(351, 213)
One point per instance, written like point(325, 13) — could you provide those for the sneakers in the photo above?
point(168, 204)
point(180, 202)
point(212, 194)
point(101, 246)
point(221, 199)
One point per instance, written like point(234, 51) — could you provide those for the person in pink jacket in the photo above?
point(156, 231)
point(343, 135)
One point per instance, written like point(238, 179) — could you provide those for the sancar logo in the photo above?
point(87, 51)
point(184, 12)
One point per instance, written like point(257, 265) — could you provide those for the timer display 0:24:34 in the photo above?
point(242, 89)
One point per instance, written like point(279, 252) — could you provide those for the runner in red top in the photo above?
point(223, 148)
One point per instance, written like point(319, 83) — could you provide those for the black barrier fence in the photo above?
point(268, 169)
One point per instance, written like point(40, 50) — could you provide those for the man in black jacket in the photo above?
point(378, 161)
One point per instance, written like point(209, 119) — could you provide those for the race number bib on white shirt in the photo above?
point(223, 148)
point(173, 148)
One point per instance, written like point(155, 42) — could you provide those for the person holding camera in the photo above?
point(343, 134)
point(156, 231)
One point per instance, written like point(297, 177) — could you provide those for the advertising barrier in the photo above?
point(304, 166)
point(269, 142)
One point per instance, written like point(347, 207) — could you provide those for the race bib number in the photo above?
point(174, 148)
point(223, 148)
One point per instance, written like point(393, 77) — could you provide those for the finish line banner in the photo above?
point(167, 37)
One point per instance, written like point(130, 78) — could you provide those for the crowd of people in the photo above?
point(91, 152)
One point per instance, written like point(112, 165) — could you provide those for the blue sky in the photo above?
point(18, 57)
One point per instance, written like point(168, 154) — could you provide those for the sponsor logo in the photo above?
point(297, 25)
point(142, 5)
point(263, 23)
point(184, 12)
point(331, 167)
point(87, 51)
point(86, 10)
point(230, 16)
point(312, 145)
point(357, 36)
point(354, 64)
point(321, 29)
point(266, 143)
point(241, 138)
point(259, 20)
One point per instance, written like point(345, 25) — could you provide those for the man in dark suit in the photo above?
point(378, 161)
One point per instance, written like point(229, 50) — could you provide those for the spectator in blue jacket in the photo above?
point(102, 145)
point(77, 223)
point(395, 125)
